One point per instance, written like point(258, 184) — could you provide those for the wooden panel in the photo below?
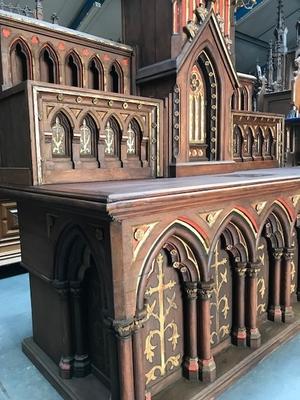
point(221, 302)
point(9, 233)
point(9, 219)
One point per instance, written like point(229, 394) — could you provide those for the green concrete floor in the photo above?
point(19, 379)
point(277, 377)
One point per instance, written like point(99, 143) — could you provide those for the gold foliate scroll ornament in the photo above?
point(85, 139)
point(58, 139)
point(161, 301)
point(109, 140)
point(220, 301)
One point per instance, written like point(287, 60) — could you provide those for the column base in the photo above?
point(239, 337)
point(81, 366)
point(254, 338)
point(275, 314)
point(207, 370)
point(66, 368)
point(191, 369)
point(287, 314)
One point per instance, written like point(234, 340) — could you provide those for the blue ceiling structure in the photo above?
point(85, 9)
point(241, 12)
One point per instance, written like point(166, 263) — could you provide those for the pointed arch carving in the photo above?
point(83, 288)
point(116, 78)
point(277, 230)
point(170, 274)
point(73, 69)
point(20, 61)
point(203, 109)
point(258, 144)
point(245, 224)
point(248, 141)
point(61, 136)
point(268, 148)
point(185, 233)
point(232, 251)
point(237, 143)
point(112, 138)
point(95, 74)
point(277, 225)
point(88, 137)
point(49, 65)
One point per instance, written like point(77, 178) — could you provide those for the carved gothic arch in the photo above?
point(79, 275)
point(115, 78)
point(284, 218)
point(20, 61)
point(245, 225)
point(89, 136)
point(174, 237)
point(95, 74)
point(73, 69)
point(49, 67)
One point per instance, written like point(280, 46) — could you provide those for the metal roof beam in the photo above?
point(85, 9)
point(250, 39)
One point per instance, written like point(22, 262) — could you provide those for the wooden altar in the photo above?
point(157, 227)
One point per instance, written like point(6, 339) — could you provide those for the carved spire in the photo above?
point(298, 38)
point(280, 34)
point(281, 30)
point(270, 66)
point(39, 14)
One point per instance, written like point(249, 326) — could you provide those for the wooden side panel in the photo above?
point(15, 150)
point(148, 25)
point(9, 233)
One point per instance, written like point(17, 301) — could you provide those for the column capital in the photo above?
point(123, 328)
point(76, 288)
point(240, 268)
point(191, 290)
point(254, 264)
point(253, 268)
point(62, 287)
point(205, 290)
point(277, 253)
point(126, 327)
point(288, 253)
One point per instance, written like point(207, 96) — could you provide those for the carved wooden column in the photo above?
point(66, 360)
point(239, 329)
point(287, 309)
point(124, 331)
point(81, 366)
point(138, 358)
point(207, 366)
point(191, 367)
point(253, 334)
point(275, 313)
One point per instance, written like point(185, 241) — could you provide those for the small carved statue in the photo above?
point(191, 29)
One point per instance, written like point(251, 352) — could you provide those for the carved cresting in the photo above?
point(163, 343)
point(220, 302)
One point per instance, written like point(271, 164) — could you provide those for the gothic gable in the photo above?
point(208, 34)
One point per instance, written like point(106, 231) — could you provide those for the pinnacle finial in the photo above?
point(39, 14)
